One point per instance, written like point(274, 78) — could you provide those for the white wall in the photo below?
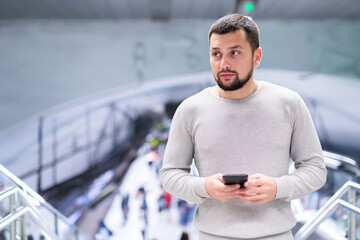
point(45, 63)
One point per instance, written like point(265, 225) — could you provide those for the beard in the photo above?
point(237, 83)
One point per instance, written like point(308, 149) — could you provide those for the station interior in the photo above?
point(88, 90)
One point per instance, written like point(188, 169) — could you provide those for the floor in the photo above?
point(161, 226)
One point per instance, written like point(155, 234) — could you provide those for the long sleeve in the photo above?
point(306, 153)
point(178, 157)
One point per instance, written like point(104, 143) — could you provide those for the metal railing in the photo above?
point(334, 203)
point(18, 211)
point(25, 205)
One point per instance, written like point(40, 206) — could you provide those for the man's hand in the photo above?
point(258, 189)
point(217, 189)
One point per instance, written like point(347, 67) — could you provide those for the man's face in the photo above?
point(231, 59)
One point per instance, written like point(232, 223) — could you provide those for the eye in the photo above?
point(216, 54)
point(234, 53)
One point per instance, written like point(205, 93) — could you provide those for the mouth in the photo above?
point(227, 75)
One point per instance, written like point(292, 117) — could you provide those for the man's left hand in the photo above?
point(258, 189)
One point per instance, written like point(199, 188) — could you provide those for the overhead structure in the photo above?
point(247, 7)
point(165, 10)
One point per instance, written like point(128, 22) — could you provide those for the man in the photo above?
point(242, 126)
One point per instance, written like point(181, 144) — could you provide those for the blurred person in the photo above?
point(104, 233)
point(182, 206)
point(143, 218)
point(154, 160)
point(167, 197)
point(186, 212)
point(143, 227)
point(125, 207)
point(184, 236)
point(143, 204)
point(164, 203)
point(242, 125)
point(161, 203)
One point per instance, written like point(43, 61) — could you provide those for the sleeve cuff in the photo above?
point(284, 189)
point(199, 187)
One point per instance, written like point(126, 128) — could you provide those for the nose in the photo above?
point(224, 63)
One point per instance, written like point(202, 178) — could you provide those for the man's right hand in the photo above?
point(216, 188)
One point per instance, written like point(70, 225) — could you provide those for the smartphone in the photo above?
point(235, 179)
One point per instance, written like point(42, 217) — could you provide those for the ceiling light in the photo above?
point(249, 6)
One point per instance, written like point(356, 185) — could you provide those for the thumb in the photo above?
point(219, 176)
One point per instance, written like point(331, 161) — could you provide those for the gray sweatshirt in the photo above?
point(257, 134)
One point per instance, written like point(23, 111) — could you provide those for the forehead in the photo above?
point(224, 41)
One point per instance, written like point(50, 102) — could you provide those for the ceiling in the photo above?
point(172, 9)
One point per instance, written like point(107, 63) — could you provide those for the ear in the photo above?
point(257, 56)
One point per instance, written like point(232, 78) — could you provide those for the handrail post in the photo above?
point(40, 153)
point(352, 215)
point(12, 210)
point(23, 229)
point(56, 224)
point(22, 223)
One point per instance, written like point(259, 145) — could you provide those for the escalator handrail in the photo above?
point(329, 207)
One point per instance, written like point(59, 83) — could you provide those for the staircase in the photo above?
point(344, 203)
point(24, 213)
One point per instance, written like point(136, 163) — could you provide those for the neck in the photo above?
point(248, 89)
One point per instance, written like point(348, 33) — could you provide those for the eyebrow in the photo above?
point(233, 47)
point(236, 46)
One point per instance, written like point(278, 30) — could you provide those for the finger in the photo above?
point(228, 191)
point(232, 187)
point(246, 191)
point(251, 184)
point(250, 179)
point(258, 198)
point(256, 181)
point(255, 176)
point(227, 195)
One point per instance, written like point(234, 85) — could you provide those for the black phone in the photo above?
point(230, 179)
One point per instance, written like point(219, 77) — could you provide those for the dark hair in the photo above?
point(234, 22)
point(184, 236)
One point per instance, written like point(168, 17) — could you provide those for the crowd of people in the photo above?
point(145, 207)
